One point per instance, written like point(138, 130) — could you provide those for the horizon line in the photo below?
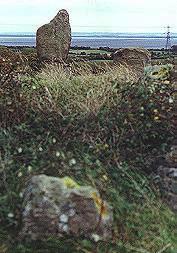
point(90, 32)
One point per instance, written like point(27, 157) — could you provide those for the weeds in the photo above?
point(103, 130)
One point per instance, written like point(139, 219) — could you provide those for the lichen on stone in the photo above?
point(158, 72)
point(59, 206)
point(70, 183)
point(100, 205)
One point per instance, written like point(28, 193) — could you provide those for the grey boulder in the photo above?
point(59, 206)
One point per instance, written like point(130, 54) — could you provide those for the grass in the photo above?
point(100, 61)
point(76, 95)
point(113, 126)
point(141, 222)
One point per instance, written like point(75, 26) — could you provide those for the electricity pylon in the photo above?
point(168, 39)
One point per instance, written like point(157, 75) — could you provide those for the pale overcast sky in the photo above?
point(90, 15)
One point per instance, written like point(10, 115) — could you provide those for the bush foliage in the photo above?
point(112, 126)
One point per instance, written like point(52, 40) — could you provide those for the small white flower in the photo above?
point(40, 149)
point(72, 162)
point(21, 194)
point(57, 154)
point(10, 215)
point(54, 140)
point(20, 150)
point(29, 168)
point(9, 102)
point(166, 82)
point(170, 100)
point(64, 218)
point(34, 87)
point(95, 237)
point(20, 174)
point(65, 228)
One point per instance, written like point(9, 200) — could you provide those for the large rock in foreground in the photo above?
point(53, 40)
point(58, 207)
point(134, 58)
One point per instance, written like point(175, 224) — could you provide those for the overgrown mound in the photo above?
point(103, 130)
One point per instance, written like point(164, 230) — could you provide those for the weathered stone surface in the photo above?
point(135, 58)
point(172, 201)
point(58, 207)
point(172, 173)
point(171, 157)
point(53, 40)
point(167, 172)
point(166, 179)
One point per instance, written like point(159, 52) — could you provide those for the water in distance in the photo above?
point(96, 40)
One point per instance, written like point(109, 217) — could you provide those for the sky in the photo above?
point(90, 15)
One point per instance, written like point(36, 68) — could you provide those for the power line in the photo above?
point(168, 39)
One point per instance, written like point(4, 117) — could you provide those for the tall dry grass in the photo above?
point(59, 89)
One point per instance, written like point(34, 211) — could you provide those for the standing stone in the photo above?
point(134, 58)
point(53, 39)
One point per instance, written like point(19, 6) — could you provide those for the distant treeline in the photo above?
point(108, 49)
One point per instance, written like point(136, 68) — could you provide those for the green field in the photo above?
point(89, 51)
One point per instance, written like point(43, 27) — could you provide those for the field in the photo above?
point(88, 51)
point(112, 125)
point(99, 54)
